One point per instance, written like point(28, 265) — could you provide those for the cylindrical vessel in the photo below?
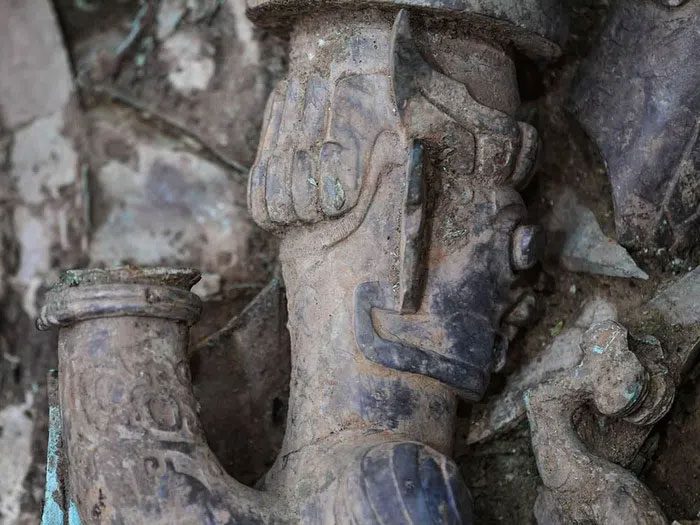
point(133, 443)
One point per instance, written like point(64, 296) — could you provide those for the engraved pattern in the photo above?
point(456, 275)
point(133, 437)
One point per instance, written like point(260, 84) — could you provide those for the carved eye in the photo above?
point(527, 247)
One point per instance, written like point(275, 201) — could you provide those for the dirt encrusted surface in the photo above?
point(164, 101)
point(502, 471)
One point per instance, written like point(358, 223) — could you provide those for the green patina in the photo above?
point(70, 278)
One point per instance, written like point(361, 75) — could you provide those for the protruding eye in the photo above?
point(527, 247)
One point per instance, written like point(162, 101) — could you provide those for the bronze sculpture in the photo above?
point(394, 215)
point(389, 165)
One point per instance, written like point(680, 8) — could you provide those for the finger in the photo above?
point(360, 109)
point(305, 178)
point(278, 190)
point(338, 167)
point(258, 174)
point(527, 157)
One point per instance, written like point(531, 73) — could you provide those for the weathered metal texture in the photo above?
point(57, 509)
point(619, 383)
point(132, 442)
point(637, 96)
point(536, 27)
point(502, 412)
point(388, 164)
point(133, 450)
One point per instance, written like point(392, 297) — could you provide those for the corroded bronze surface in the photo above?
point(534, 26)
point(132, 439)
point(389, 163)
point(637, 96)
point(579, 486)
